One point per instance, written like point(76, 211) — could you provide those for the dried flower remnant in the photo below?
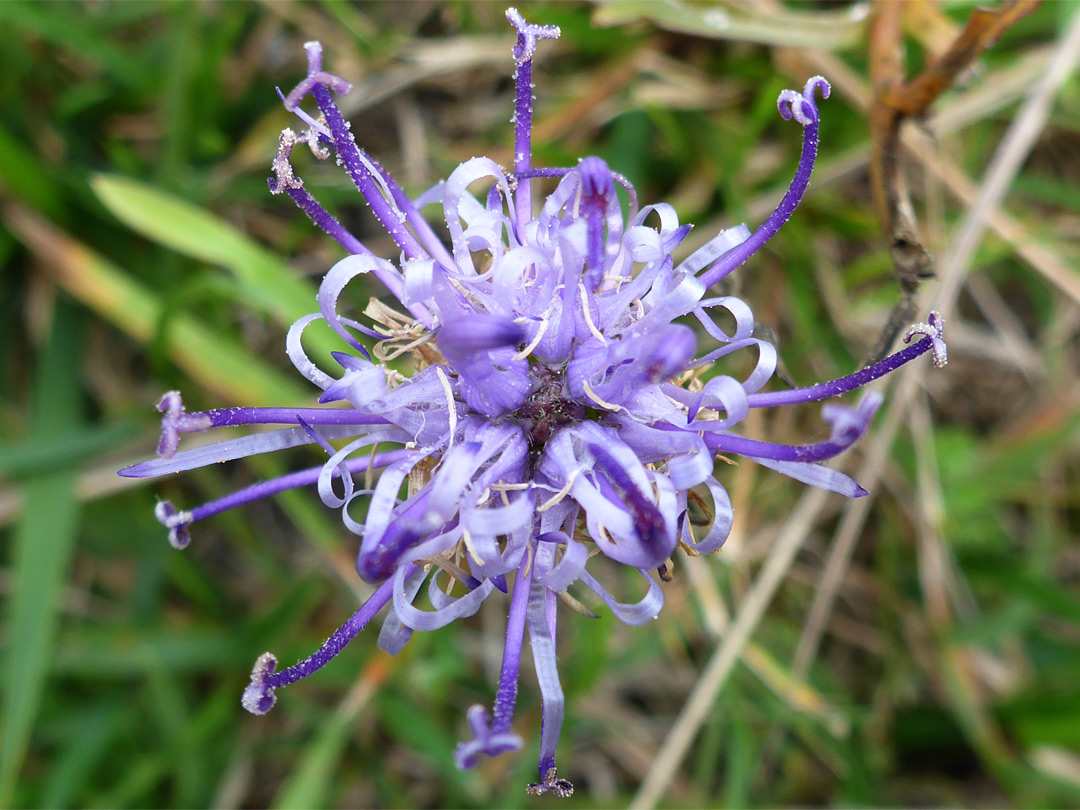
point(559, 413)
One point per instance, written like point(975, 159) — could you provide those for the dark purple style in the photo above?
point(560, 406)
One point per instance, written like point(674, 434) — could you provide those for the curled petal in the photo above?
point(456, 204)
point(331, 470)
point(690, 469)
point(720, 528)
point(721, 394)
point(423, 620)
point(294, 348)
point(335, 282)
point(630, 613)
point(567, 570)
point(394, 634)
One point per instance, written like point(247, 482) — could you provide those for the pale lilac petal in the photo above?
point(394, 634)
point(542, 638)
point(816, 475)
point(463, 606)
point(720, 528)
point(634, 613)
point(232, 449)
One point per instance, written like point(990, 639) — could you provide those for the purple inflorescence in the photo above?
point(560, 406)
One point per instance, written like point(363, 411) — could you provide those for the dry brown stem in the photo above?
point(895, 101)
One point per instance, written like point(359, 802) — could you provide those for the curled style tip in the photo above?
point(316, 76)
point(172, 406)
point(259, 697)
point(176, 522)
point(801, 106)
point(934, 328)
point(819, 83)
point(175, 421)
point(486, 741)
point(529, 34)
point(284, 177)
point(562, 788)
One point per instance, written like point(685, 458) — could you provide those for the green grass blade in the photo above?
point(65, 448)
point(220, 364)
point(267, 282)
point(307, 784)
point(44, 541)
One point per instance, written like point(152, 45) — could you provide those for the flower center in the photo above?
point(548, 407)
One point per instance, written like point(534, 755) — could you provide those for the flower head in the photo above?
point(561, 407)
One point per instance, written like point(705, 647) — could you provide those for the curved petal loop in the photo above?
point(498, 520)
point(668, 301)
point(334, 464)
point(294, 348)
point(720, 394)
point(549, 222)
point(568, 569)
point(486, 558)
point(740, 311)
point(634, 613)
point(423, 620)
point(335, 282)
point(719, 529)
point(690, 469)
point(395, 634)
point(384, 500)
point(669, 219)
point(456, 207)
point(523, 283)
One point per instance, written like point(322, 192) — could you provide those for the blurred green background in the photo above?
point(142, 252)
